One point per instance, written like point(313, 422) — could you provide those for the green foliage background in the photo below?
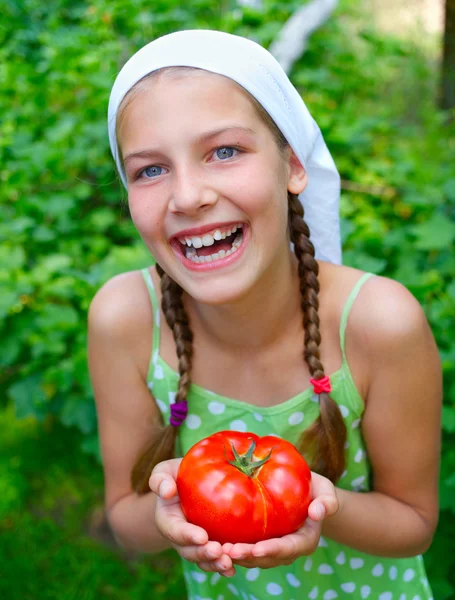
point(65, 229)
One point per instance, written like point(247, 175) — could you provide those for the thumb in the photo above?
point(323, 506)
point(163, 478)
point(163, 485)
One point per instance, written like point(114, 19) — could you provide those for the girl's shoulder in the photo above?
point(385, 317)
point(381, 303)
point(120, 312)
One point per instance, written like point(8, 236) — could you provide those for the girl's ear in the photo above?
point(298, 178)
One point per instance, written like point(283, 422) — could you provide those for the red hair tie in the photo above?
point(321, 385)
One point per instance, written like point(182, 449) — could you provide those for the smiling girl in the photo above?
point(249, 322)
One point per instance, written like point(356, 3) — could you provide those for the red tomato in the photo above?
point(240, 487)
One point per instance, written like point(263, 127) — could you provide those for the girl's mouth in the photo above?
point(218, 246)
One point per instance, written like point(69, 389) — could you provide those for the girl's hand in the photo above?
point(285, 550)
point(190, 541)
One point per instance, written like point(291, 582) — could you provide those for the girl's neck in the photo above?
point(259, 319)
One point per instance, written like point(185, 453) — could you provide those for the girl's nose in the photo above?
point(191, 194)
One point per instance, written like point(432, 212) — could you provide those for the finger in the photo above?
point(179, 531)
point(162, 480)
point(223, 567)
point(163, 486)
point(210, 552)
point(209, 566)
point(322, 507)
point(263, 563)
point(239, 551)
point(325, 500)
point(303, 542)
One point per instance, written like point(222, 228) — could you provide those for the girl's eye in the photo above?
point(225, 152)
point(150, 172)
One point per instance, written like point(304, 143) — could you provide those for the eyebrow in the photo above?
point(204, 138)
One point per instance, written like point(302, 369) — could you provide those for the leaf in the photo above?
point(7, 299)
point(27, 396)
point(79, 413)
point(451, 289)
point(53, 316)
point(363, 261)
point(438, 233)
point(14, 256)
point(448, 419)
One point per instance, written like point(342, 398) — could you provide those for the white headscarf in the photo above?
point(257, 71)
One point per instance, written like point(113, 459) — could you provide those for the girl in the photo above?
point(220, 158)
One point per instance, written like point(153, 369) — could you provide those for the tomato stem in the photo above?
point(245, 462)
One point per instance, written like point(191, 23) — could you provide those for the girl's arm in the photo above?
point(401, 426)
point(119, 346)
point(390, 339)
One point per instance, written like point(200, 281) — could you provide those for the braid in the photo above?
point(326, 437)
point(177, 319)
point(161, 446)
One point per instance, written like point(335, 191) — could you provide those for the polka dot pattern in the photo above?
point(292, 580)
point(193, 421)
point(344, 411)
point(238, 425)
point(252, 574)
point(314, 593)
point(295, 418)
point(216, 408)
point(333, 571)
point(274, 589)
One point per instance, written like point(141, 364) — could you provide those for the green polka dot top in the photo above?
point(333, 570)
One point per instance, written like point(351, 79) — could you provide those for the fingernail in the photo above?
point(164, 488)
point(320, 510)
point(198, 539)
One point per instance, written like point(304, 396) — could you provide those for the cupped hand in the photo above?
point(190, 541)
point(285, 550)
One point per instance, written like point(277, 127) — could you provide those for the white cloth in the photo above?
point(258, 72)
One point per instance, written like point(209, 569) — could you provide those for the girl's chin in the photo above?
point(222, 292)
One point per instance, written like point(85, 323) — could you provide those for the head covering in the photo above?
point(258, 72)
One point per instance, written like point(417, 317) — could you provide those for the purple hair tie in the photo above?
point(179, 410)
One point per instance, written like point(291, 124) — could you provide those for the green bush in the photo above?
point(65, 227)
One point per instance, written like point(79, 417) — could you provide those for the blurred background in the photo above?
point(374, 78)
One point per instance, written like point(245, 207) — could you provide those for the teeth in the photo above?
point(208, 239)
point(191, 253)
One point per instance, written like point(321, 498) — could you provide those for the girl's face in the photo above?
point(207, 184)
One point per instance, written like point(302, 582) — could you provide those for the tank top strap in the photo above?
point(155, 310)
point(346, 310)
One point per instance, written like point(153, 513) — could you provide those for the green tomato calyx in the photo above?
point(245, 462)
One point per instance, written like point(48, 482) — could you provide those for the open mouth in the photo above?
point(212, 246)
